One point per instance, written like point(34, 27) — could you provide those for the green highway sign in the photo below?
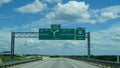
point(58, 33)
point(66, 34)
point(55, 26)
point(80, 33)
point(45, 34)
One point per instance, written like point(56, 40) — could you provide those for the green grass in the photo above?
point(112, 58)
point(16, 58)
point(6, 58)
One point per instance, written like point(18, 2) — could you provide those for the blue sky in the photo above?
point(100, 17)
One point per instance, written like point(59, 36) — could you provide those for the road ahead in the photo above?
point(56, 63)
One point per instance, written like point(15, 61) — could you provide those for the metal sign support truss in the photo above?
point(36, 35)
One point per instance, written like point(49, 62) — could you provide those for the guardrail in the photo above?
point(102, 63)
point(8, 64)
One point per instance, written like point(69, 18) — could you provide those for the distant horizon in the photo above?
point(60, 55)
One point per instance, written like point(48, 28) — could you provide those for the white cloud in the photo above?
point(34, 7)
point(109, 13)
point(4, 41)
point(57, 47)
point(53, 1)
point(106, 16)
point(106, 41)
point(81, 13)
point(4, 2)
point(68, 12)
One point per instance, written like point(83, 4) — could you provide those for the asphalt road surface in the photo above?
point(56, 63)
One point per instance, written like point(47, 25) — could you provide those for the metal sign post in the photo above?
point(88, 42)
point(118, 59)
point(21, 35)
point(12, 45)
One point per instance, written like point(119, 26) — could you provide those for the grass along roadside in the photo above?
point(6, 58)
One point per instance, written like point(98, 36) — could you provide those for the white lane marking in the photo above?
point(52, 63)
point(71, 63)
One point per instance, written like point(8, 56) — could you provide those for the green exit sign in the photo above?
point(45, 34)
point(66, 34)
point(80, 33)
point(55, 26)
point(58, 33)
